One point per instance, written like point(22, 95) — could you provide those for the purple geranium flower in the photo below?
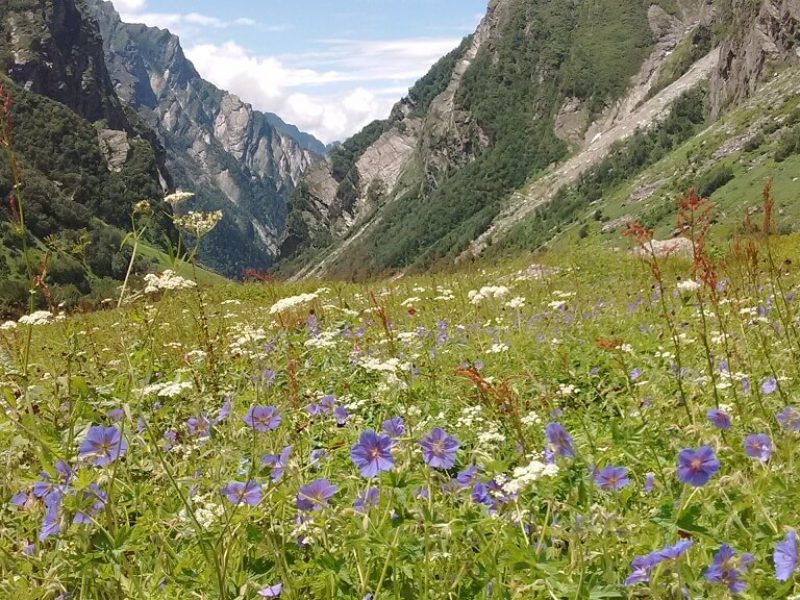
point(789, 419)
point(635, 374)
point(758, 445)
point(327, 403)
point(612, 479)
point(272, 591)
point(373, 453)
point(560, 441)
point(277, 462)
point(367, 500)
point(51, 523)
point(641, 568)
point(696, 467)
point(20, 499)
point(199, 427)
point(466, 477)
point(769, 385)
point(316, 457)
point(341, 415)
point(249, 493)
point(263, 418)
point(785, 556)
point(224, 411)
point(439, 449)
point(727, 569)
point(649, 482)
point(394, 427)
point(315, 495)
point(675, 551)
point(719, 418)
point(103, 445)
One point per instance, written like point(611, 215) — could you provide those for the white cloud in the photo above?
point(331, 93)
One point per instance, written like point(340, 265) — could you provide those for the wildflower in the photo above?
point(263, 418)
point(341, 415)
point(395, 427)
point(277, 462)
point(785, 556)
point(649, 482)
point(612, 479)
point(315, 495)
point(20, 499)
point(168, 280)
point(696, 467)
point(789, 419)
point(688, 286)
point(316, 456)
point(372, 454)
point(769, 385)
point(560, 440)
point(199, 427)
point(272, 591)
point(40, 317)
point(367, 500)
point(635, 374)
point(758, 446)
point(719, 418)
point(224, 411)
point(675, 551)
point(51, 523)
point(197, 223)
point(727, 569)
point(249, 493)
point(170, 439)
point(103, 445)
point(642, 566)
point(439, 449)
point(466, 477)
point(292, 302)
point(178, 198)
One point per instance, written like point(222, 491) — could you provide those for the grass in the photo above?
point(594, 347)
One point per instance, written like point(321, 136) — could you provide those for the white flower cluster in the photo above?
point(489, 291)
point(497, 348)
point(170, 389)
point(445, 294)
point(40, 317)
point(392, 365)
point(198, 223)
point(8, 326)
point(491, 435)
point(688, 286)
point(469, 415)
point(567, 389)
point(178, 197)
point(246, 337)
point(531, 419)
point(516, 303)
point(291, 302)
point(522, 477)
point(326, 339)
point(168, 280)
point(206, 511)
point(410, 301)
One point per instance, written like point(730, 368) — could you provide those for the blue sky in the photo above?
point(328, 67)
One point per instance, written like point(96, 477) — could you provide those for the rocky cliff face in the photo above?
point(762, 33)
point(233, 157)
point(540, 93)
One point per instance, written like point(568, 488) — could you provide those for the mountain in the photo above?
point(540, 113)
point(85, 160)
point(233, 157)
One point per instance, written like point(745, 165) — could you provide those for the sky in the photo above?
point(329, 67)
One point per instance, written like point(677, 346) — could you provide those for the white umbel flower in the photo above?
point(285, 304)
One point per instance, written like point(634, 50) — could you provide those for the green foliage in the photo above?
point(690, 49)
point(645, 148)
point(436, 80)
point(788, 144)
point(713, 180)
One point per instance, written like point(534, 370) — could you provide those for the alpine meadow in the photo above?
point(532, 333)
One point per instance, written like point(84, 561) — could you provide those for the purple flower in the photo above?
point(745, 385)
point(641, 568)
point(612, 479)
point(277, 462)
point(675, 551)
point(97, 498)
point(635, 374)
point(170, 438)
point(785, 556)
point(48, 484)
point(327, 403)
point(789, 419)
point(367, 500)
point(769, 385)
point(51, 523)
point(272, 591)
point(249, 493)
point(466, 477)
point(649, 482)
point(19, 499)
point(439, 449)
point(395, 427)
point(317, 456)
point(341, 415)
point(314, 410)
point(263, 418)
point(727, 569)
point(199, 427)
point(696, 467)
point(560, 440)
point(373, 453)
point(719, 418)
point(315, 495)
point(224, 411)
point(116, 415)
point(103, 445)
point(758, 445)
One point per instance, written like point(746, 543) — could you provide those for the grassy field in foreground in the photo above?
point(611, 430)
